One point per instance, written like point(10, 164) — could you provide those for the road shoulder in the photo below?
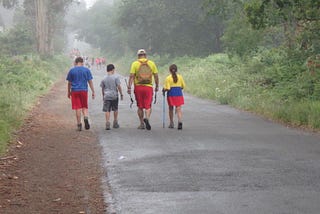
point(52, 168)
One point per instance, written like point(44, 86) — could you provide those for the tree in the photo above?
point(16, 41)
point(237, 35)
point(9, 3)
point(46, 17)
point(300, 20)
point(179, 27)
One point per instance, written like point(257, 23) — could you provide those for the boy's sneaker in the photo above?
point(115, 124)
point(86, 123)
point(179, 126)
point(79, 127)
point(141, 126)
point(171, 126)
point(107, 125)
point(146, 121)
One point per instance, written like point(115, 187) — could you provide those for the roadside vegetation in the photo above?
point(31, 58)
point(23, 79)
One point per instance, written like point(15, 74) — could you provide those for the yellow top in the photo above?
point(168, 84)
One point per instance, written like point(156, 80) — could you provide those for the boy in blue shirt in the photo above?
point(78, 79)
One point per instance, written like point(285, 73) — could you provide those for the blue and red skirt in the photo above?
point(175, 96)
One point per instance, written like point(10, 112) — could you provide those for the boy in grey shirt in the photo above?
point(110, 89)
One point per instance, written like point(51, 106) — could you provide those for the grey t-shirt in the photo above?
point(109, 84)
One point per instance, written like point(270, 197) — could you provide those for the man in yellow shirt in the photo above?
point(143, 74)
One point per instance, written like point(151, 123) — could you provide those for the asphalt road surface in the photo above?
point(224, 161)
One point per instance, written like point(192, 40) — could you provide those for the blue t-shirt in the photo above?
point(79, 77)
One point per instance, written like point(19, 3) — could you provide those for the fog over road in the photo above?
point(224, 161)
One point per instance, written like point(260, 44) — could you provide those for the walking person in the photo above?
point(143, 74)
point(92, 61)
point(174, 84)
point(111, 87)
point(98, 63)
point(103, 62)
point(78, 79)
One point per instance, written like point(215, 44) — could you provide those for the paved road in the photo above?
point(224, 161)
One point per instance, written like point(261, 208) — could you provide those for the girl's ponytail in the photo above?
point(173, 70)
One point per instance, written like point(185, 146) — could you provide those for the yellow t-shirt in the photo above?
point(169, 82)
point(135, 67)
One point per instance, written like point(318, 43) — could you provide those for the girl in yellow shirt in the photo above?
point(174, 84)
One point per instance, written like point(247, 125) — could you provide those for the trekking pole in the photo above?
point(163, 109)
point(155, 98)
point(129, 94)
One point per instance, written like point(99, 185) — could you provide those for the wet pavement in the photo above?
point(224, 161)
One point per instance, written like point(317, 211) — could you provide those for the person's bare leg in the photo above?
point(107, 115)
point(115, 120)
point(179, 113)
point(115, 116)
point(148, 113)
point(140, 115)
point(171, 114)
point(85, 112)
point(78, 115)
point(86, 120)
point(146, 120)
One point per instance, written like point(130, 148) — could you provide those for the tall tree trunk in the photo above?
point(42, 28)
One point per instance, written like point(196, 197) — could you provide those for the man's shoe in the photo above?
point(86, 123)
point(115, 124)
point(146, 121)
point(79, 127)
point(141, 126)
point(179, 126)
point(171, 126)
point(107, 125)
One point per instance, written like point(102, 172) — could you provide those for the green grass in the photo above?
point(23, 80)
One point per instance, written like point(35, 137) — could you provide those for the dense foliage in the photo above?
point(16, 41)
point(23, 79)
point(300, 20)
point(177, 27)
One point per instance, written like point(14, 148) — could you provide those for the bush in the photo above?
point(23, 80)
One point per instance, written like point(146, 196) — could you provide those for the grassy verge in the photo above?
point(23, 79)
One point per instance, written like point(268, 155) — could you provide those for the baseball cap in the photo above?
point(141, 51)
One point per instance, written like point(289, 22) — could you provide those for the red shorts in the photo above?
point(175, 100)
point(143, 96)
point(79, 99)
